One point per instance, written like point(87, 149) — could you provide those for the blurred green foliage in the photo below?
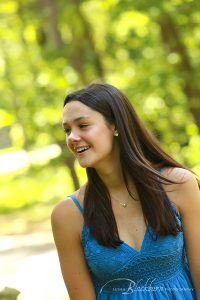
point(149, 49)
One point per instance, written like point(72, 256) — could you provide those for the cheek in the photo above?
point(66, 140)
point(68, 143)
point(106, 140)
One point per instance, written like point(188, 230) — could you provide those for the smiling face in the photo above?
point(88, 135)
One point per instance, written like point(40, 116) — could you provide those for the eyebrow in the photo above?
point(76, 120)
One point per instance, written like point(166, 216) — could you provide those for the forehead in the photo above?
point(75, 110)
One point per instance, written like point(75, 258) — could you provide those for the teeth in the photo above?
point(81, 149)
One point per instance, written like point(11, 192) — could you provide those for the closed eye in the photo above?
point(83, 125)
point(68, 130)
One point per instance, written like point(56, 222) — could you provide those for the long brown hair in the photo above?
point(141, 158)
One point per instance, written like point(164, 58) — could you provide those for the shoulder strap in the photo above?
point(77, 203)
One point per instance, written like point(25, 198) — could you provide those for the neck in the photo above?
point(111, 174)
point(110, 171)
point(112, 177)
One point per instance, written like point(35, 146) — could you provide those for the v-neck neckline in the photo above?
point(146, 234)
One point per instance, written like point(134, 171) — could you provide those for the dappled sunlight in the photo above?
point(43, 155)
point(16, 160)
point(13, 161)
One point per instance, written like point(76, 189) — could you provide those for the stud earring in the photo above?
point(116, 133)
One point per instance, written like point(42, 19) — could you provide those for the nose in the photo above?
point(73, 136)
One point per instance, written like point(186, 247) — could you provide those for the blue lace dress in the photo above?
point(158, 271)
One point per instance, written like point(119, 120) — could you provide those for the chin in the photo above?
point(85, 165)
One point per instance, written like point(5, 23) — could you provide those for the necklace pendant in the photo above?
point(124, 205)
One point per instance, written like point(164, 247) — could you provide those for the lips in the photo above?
point(81, 149)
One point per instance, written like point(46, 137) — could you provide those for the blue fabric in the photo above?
point(77, 203)
point(159, 271)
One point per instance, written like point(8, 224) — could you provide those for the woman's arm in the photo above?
point(66, 226)
point(188, 197)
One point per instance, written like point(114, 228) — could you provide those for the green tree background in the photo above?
point(148, 49)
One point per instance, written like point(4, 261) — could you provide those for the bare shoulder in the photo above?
point(67, 222)
point(178, 174)
point(66, 212)
point(187, 188)
point(67, 217)
point(182, 176)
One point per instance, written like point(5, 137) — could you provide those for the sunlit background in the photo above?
point(148, 49)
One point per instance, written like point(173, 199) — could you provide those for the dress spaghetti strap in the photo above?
point(77, 203)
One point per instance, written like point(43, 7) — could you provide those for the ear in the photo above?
point(112, 127)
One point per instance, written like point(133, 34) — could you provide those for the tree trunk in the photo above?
point(172, 39)
point(70, 164)
point(69, 160)
point(77, 57)
point(51, 22)
point(89, 37)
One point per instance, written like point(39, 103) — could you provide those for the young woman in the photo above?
point(133, 230)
